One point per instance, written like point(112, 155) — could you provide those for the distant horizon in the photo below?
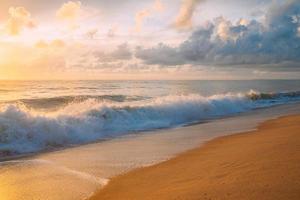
point(283, 79)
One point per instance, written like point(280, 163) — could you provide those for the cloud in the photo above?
point(41, 44)
point(184, 18)
point(162, 54)
point(92, 33)
point(143, 14)
point(19, 18)
point(112, 31)
point(69, 11)
point(158, 6)
point(74, 16)
point(122, 52)
point(23, 61)
point(56, 43)
point(139, 19)
point(221, 42)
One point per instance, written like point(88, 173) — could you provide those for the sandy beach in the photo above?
point(261, 164)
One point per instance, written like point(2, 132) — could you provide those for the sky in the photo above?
point(149, 39)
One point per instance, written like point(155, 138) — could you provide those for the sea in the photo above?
point(38, 116)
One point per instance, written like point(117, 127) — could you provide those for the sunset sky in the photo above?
point(149, 39)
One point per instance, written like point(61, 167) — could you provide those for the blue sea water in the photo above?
point(39, 115)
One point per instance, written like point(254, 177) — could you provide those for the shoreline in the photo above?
point(87, 166)
point(132, 134)
point(268, 167)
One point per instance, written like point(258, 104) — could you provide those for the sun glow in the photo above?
point(149, 39)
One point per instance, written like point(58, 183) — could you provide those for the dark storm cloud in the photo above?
point(274, 41)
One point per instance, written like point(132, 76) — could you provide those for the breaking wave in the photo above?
point(24, 129)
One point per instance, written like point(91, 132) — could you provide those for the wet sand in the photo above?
point(260, 164)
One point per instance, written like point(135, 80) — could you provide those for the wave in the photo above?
point(53, 103)
point(274, 96)
point(24, 129)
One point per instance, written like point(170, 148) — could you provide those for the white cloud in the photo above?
point(19, 18)
point(92, 33)
point(184, 18)
point(140, 16)
point(69, 11)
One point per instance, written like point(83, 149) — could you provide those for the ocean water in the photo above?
point(43, 115)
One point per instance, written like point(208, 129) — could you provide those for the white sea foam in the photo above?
point(24, 129)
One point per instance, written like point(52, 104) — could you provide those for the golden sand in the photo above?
point(262, 164)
